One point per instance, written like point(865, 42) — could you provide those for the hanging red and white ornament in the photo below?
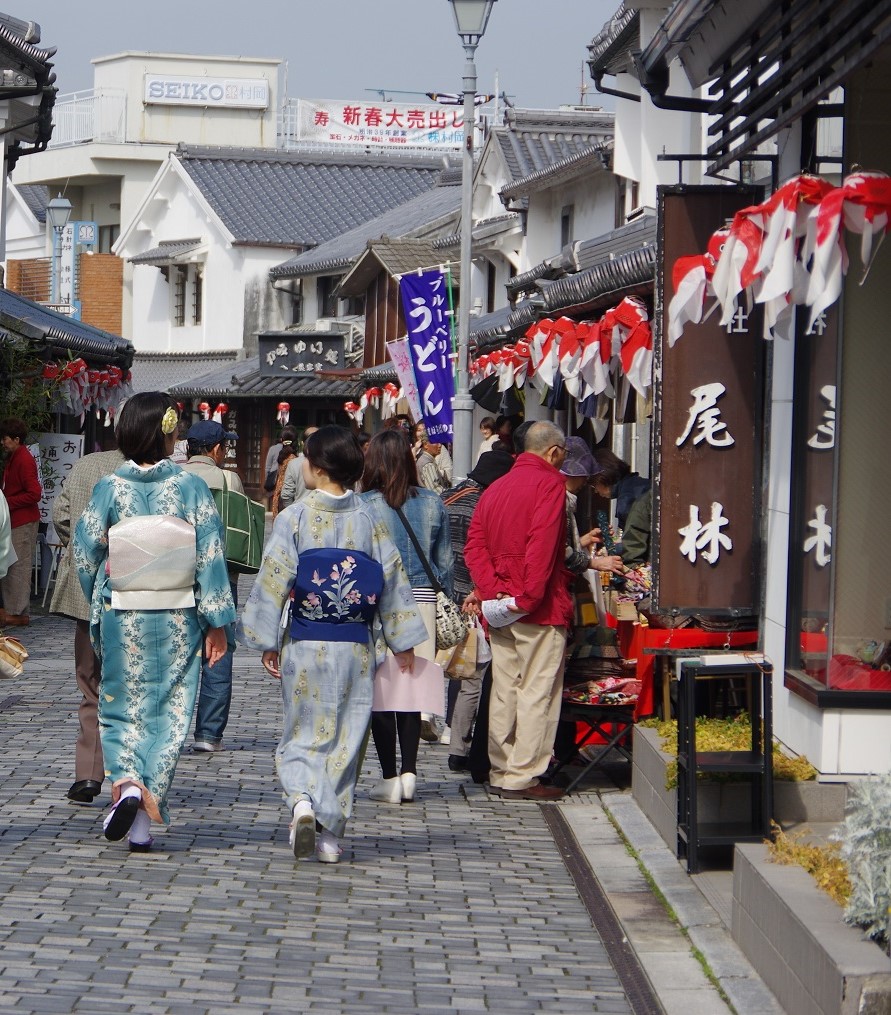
point(220, 411)
point(283, 412)
point(354, 411)
point(204, 409)
point(391, 394)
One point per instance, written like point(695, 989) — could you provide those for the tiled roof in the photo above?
point(36, 196)
point(441, 202)
point(155, 371)
point(165, 252)
point(610, 51)
point(534, 139)
point(584, 254)
point(243, 380)
point(396, 257)
point(596, 157)
point(300, 199)
point(37, 324)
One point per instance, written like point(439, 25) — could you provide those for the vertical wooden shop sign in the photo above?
point(708, 421)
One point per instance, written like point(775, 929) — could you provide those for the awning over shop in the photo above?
point(59, 334)
point(167, 252)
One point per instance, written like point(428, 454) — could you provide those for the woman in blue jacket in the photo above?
point(390, 486)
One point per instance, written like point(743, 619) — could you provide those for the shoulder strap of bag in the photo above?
point(459, 496)
point(434, 584)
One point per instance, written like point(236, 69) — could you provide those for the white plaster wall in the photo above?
point(592, 200)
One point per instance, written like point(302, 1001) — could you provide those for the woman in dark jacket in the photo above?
point(616, 481)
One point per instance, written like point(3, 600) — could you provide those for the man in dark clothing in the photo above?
point(464, 699)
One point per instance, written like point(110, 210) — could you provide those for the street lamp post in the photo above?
point(58, 211)
point(471, 17)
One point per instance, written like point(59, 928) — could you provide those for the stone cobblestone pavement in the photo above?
point(456, 903)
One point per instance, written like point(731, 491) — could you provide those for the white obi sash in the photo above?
point(151, 563)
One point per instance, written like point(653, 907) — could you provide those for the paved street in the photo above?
point(460, 902)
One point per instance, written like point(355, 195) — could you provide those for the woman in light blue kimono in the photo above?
point(149, 556)
point(335, 568)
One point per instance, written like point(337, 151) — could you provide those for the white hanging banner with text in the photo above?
point(389, 124)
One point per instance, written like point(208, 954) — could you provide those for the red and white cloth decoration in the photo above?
point(391, 396)
point(354, 411)
point(788, 251)
point(220, 411)
point(585, 354)
point(283, 412)
point(204, 409)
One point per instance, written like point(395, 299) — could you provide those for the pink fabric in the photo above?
point(419, 691)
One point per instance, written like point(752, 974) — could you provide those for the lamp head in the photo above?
point(58, 211)
point(471, 18)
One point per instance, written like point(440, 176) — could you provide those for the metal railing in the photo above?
point(92, 115)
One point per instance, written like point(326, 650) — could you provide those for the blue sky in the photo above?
point(339, 49)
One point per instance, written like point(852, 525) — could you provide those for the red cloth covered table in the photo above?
point(634, 639)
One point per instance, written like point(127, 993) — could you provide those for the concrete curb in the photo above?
point(734, 972)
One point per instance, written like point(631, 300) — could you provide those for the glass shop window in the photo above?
point(839, 630)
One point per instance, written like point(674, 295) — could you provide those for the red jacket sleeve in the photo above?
point(548, 539)
point(23, 488)
point(477, 558)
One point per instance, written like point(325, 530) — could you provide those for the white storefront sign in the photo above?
point(389, 124)
point(233, 93)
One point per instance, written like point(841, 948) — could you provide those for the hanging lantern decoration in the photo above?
point(283, 412)
point(204, 409)
point(220, 411)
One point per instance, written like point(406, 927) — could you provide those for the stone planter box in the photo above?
point(792, 801)
point(796, 939)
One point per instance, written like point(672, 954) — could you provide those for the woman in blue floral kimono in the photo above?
point(149, 556)
point(335, 567)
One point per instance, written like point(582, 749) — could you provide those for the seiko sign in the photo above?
point(237, 93)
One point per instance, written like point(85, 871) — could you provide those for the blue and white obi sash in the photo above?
point(335, 595)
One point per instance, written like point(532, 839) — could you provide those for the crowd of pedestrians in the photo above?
point(365, 534)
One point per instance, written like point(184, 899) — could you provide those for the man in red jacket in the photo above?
point(515, 549)
point(21, 487)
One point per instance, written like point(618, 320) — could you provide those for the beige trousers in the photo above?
point(16, 586)
point(527, 687)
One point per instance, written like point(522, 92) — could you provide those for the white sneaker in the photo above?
point(303, 829)
point(387, 791)
point(446, 736)
point(206, 746)
point(328, 849)
point(409, 781)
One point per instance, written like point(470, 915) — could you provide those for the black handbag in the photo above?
point(451, 624)
point(269, 482)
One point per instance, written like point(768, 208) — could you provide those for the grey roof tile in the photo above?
point(413, 216)
point(37, 323)
point(534, 139)
point(155, 371)
point(611, 50)
point(242, 380)
point(36, 196)
point(166, 251)
point(300, 199)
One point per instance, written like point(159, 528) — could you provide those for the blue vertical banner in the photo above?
point(425, 305)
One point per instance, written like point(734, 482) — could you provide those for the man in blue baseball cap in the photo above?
point(206, 450)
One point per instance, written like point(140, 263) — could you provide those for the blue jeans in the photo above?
point(215, 694)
